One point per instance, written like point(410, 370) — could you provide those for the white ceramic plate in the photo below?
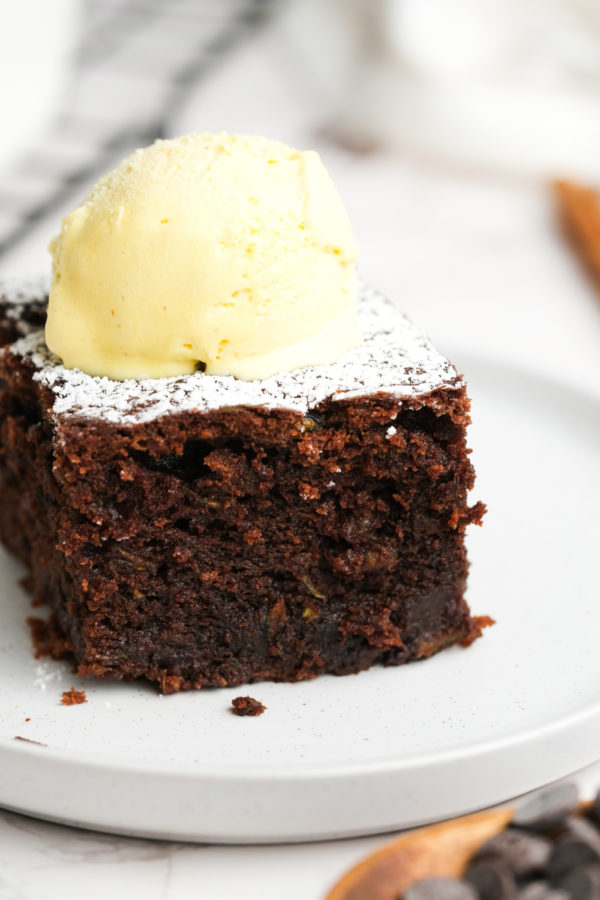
point(373, 752)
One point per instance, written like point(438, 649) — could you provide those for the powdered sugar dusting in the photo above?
point(394, 357)
point(18, 296)
point(20, 292)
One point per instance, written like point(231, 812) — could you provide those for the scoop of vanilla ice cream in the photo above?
point(234, 252)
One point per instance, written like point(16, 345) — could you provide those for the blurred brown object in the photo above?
point(439, 850)
point(579, 211)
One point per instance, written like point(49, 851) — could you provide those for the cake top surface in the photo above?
point(394, 358)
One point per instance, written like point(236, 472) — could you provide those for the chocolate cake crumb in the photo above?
point(478, 623)
point(73, 697)
point(247, 706)
point(18, 737)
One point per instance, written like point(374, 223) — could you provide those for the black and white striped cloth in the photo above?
point(136, 61)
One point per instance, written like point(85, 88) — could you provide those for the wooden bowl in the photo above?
point(438, 850)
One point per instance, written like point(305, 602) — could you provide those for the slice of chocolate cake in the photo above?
point(202, 530)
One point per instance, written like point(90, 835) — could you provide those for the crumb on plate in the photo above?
point(247, 706)
point(73, 697)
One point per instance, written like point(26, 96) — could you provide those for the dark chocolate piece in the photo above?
point(492, 879)
point(578, 846)
point(541, 890)
point(525, 854)
point(547, 808)
point(582, 883)
point(440, 889)
point(595, 809)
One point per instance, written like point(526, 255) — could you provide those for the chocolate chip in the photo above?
point(595, 808)
point(525, 854)
point(582, 883)
point(440, 889)
point(541, 890)
point(548, 808)
point(492, 879)
point(578, 846)
point(584, 829)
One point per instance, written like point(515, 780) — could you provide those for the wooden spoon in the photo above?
point(442, 849)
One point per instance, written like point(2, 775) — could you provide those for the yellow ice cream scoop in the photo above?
point(228, 252)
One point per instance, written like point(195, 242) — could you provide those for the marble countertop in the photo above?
point(479, 263)
point(40, 859)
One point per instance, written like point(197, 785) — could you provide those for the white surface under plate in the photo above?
point(367, 753)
